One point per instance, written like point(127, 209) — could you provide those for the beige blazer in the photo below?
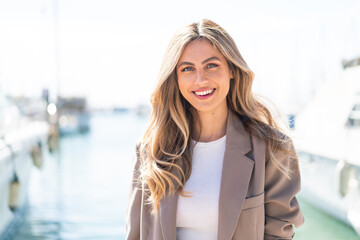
point(256, 200)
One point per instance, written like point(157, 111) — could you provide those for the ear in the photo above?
point(231, 74)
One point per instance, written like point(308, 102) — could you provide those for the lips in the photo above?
point(204, 93)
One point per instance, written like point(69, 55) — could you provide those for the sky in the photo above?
point(110, 51)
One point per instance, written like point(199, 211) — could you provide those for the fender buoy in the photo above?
point(344, 173)
point(14, 193)
point(37, 156)
point(53, 138)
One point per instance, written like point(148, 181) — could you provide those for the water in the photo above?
point(81, 192)
point(320, 226)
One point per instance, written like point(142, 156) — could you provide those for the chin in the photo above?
point(205, 109)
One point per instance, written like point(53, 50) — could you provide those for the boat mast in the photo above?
point(56, 47)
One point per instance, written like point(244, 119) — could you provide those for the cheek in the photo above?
point(226, 88)
point(182, 86)
point(225, 83)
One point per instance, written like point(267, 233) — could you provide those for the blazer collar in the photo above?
point(236, 172)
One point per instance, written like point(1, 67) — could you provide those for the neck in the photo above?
point(210, 126)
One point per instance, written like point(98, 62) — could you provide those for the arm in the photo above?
point(282, 209)
point(133, 213)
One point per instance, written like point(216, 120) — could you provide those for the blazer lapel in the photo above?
point(167, 207)
point(236, 173)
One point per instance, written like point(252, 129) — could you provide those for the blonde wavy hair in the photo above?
point(165, 151)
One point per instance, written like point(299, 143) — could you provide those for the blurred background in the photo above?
point(75, 82)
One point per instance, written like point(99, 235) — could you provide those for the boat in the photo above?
point(142, 110)
point(327, 139)
point(22, 142)
point(73, 115)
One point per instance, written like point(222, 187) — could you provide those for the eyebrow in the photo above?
point(203, 62)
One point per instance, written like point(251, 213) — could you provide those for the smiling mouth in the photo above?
point(204, 93)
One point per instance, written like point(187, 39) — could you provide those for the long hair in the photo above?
point(165, 151)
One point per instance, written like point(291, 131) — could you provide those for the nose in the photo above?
point(201, 78)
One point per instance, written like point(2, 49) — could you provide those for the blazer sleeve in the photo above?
point(133, 212)
point(282, 209)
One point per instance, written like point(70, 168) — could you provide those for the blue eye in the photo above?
point(212, 65)
point(187, 69)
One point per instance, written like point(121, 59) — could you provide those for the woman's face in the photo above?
point(203, 76)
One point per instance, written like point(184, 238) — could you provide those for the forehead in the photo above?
point(199, 50)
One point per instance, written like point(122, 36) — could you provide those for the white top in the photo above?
point(197, 216)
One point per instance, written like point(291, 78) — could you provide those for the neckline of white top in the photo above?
point(209, 144)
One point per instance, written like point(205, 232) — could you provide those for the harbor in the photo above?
point(75, 85)
point(81, 192)
point(65, 169)
point(327, 137)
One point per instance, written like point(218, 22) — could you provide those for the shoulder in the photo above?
point(138, 144)
point(136, 158)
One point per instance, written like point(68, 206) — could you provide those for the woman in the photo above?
point(212, 163)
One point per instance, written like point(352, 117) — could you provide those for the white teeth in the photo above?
point(204, 92)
